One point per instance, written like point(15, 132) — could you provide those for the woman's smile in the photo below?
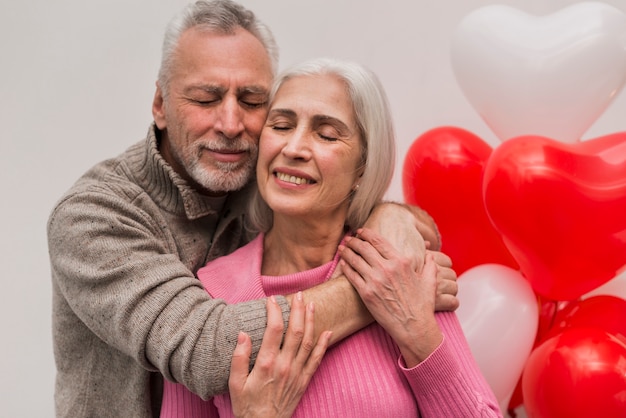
point(293, 179)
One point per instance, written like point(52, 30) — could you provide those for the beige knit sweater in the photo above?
point(124, 243)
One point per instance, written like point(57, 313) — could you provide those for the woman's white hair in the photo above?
point(373, 118)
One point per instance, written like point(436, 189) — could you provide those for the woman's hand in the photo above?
point(413, 233)
point(280, 375)
point(400, 298)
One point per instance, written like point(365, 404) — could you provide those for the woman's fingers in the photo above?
point(370, 245)
point(373, 258)
point(296, 328)
point(431, 268)
point(354, 277)
point(300, 345)
point(281, 374)
point(315, 358)
point(361, 255)
point(240, 363)
point(273, 336)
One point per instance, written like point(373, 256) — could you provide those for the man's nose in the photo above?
point(230, 118)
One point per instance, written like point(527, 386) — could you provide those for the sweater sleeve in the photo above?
point(117, 271)
point(449, 383)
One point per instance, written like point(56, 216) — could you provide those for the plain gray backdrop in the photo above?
point(77, 84)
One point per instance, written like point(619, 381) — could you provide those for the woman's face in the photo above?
point(310, 149)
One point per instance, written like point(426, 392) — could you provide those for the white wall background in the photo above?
point(76, 87)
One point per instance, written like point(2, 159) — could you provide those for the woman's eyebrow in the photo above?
point(330, 119)
point(281, 112)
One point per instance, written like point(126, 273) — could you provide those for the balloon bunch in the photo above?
point(536, 227)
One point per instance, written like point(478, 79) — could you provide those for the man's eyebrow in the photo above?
point(252, 90)
point(205, 88)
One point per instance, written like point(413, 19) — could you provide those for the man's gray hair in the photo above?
point(217, 16)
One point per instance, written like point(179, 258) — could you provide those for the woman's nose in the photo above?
point(298, 145)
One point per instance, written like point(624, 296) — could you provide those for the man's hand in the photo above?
point(417, 217)
point(447, 287)
point(426, 226)
point(399, 225)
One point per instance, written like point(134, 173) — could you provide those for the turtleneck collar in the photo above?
point(167, 187)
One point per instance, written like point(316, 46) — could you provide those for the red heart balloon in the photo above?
point(579, 373)
point(604, 312)
point(442, 174)
point(547, 312)
point(560, 209)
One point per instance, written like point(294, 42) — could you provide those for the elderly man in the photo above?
point(127, 238)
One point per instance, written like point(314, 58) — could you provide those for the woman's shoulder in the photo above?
point(234, 270)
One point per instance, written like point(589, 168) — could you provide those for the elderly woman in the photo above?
point(326, 157)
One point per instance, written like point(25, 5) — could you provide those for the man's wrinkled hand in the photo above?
point(447, 286)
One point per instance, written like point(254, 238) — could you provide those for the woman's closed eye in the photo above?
point(328, 137)
point(328, 133)
point(281, 127)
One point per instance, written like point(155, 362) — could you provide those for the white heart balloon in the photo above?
point(499, 315)
point(550, 75)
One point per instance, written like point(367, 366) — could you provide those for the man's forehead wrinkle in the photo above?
point(209, 88)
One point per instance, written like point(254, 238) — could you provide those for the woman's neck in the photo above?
point(294, 245)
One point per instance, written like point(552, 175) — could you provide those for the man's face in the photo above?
point(216, 107)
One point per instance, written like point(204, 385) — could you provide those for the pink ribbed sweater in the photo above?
point(363, 376)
